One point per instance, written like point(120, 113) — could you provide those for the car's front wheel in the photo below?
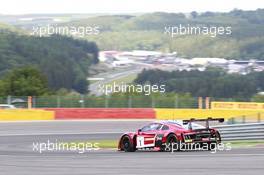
point(127, 145)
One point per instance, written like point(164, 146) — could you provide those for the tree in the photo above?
point(26, 81)
point(194, 14)
point(81, 86)
point(2, 88)
point(211, 82)
point(61, 59)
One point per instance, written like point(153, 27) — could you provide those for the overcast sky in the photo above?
point(124, 6)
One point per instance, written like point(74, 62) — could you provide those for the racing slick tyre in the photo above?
point(213, 145)
point(218, 137)
point(127, 145)
point(172, 144)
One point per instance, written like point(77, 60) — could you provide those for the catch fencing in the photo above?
point(89, 101)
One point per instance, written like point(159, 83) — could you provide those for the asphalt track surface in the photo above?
point(17, 155)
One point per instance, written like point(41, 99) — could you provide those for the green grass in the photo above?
point(100, 143)
point(128, 79)
point(246, 143)
point(107, 143)
point(114, 143)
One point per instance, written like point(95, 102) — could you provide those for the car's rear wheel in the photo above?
point(171, 144)
point(127, 145)
point(214, 144)
point(218, 137)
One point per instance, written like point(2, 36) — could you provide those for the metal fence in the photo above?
point(253, 131)
point(115, 101)
point(103, 101)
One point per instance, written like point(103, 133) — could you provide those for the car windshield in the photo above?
point(186, 125)
point(151, 127)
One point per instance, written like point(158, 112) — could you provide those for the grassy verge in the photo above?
point(128, 79)
point(246, 143)
point(107, 143)
point(114, 143)
point(99, 143)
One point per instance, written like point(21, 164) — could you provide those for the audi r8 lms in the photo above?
point(168, 135)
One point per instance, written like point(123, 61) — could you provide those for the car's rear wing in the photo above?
point(207, 120)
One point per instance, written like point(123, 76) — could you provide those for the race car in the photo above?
point(166, 135)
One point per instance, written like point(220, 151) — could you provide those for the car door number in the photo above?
point(140, 141)
point(150, 142)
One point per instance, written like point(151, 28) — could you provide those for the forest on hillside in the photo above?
point(210, 83)
point(146, 32)
point(63, 60)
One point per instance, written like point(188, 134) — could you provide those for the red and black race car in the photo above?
point(166, 135)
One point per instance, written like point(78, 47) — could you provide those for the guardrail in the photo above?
point(253, 131)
